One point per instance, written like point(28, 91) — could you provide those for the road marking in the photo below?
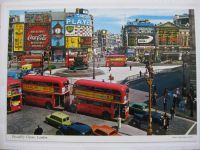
point(190, 129)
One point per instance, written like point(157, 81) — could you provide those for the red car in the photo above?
point(104, 130)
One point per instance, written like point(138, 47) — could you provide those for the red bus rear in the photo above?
point(107, 100)
point(14, 95)
point(46, 91)
point(116, 60)
point(35, 60)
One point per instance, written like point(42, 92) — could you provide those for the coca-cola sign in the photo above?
point(37, 36)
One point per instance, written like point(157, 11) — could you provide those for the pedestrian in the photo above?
point(174, 100)
point(165, 121)
point(190, 100)
point(165, 92)
point(154, 98)
point(130, 67)
point(38, 131)
point(172, 112)
point(140, 73)
point(177, 92)
point(164, 104)
point(109, 68)
point(103, 80)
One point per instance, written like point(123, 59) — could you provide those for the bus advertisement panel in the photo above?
point(45, 91)
point(116, 60)
point(14, 95)
point(107, 100)
point(18, 37)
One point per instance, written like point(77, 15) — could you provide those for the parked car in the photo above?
point(76, 128)
point(104, 130)
point(137, 107)
point(141, 121)
point(16, 74)
point(58, 118)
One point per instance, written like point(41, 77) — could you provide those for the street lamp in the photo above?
point(93, 56)
point(149, 79)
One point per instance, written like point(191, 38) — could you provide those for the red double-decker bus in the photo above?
point(116, 60)
point(46, 91)
point(104, 99)
point(35, 60)
point(14, 95)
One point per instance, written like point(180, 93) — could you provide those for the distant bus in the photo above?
point(116, 60)
point(103, 99)
point(14, 95)
point(35, 60)
point(46, 91)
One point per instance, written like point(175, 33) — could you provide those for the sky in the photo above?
point(113, 19)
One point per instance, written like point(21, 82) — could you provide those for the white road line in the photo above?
point(190, 129)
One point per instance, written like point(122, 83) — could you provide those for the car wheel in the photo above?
point(59, 133)
point(48, 106)
point(73, 108)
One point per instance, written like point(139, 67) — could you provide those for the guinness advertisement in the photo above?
point(37, 36)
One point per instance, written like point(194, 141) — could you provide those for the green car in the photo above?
point(58, 118)
point(138, 108)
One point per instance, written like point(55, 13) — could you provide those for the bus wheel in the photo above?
point(73, 108)
point(48, 106)
point(106, 116)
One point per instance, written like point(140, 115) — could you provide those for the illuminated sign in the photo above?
point(77, 30)
point(18, 37)
point(37, 36)
point(132, 40)
point(57, 31)
point(37, 88)
point(72, 42)
point(85, 42)
point(43, 17)
point(168, 36)
point(79, 19)
point(94, 95)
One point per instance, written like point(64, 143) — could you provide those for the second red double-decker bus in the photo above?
point(45, 91)
point(104, 99)
point(116, 60)
point(35, 60)
point(14, 95)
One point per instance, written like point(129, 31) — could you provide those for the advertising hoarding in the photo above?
point(57, 30)
point(85, 42)
point(77, 30)
point(132, 40)
point(18, 37)
point(168, 36)
point(72, 42)
point(42, 17)
point(37, 36)
point(79, 19)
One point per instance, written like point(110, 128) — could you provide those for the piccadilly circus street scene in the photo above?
point(101, 72)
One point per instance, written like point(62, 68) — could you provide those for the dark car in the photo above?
point(141, 121)
point(74, 129)
point(138, 108)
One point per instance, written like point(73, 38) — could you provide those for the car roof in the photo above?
point(104, 128)
point(138, 103)
point(60, 114)
point(77, 126)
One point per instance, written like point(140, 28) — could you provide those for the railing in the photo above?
point(157, 71)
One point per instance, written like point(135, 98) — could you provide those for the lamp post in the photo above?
point(92, 45)
point(149, 79)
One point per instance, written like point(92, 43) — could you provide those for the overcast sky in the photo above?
point(113, 19)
